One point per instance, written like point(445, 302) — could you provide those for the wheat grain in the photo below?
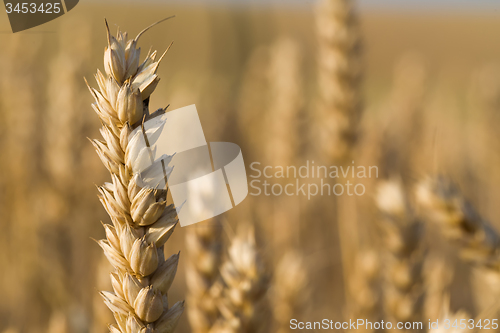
point(403, 233)
point(241, 302)
point(142, 221)
point(205, 250)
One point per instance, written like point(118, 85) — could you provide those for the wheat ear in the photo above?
point(142, 221)
point(202, 275)
point(241, 299)
point(403, 235)
point(443, 204)
point(339, 76)
point(338, 108)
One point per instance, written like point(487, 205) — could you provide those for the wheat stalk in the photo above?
point(362, 285)
point(142, 221)
point(337, 113)
point(339, 76)
point(202, 275)
point(443, 204)
point(241, 301)
point(403, 233)
point(478, 242)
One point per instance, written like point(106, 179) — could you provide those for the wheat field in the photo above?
point(415, 96)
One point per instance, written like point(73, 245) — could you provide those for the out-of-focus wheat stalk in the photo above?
point(403, 233)
point(100, 316)
point(401, 147)
point(241, 301)
point(478, 242)
point(58, 323)
point(253, 100)
point(142, 221)
point(438, 274)
point(336, 115)
point(20, 105)
point(442, 203)
point(446, 314)
point(204, 246)
point(290, 290)
point(281, 123)
point(280, 128)
point(339, 77)
point(363, 286)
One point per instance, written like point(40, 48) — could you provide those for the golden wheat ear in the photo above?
point(141, 219)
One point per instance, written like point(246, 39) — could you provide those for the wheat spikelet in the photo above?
point(339, 76)
point(204, 247)
point(142, 221)
point(404, 293)
point(290, 292)
point(241, 301)
point(443, 204)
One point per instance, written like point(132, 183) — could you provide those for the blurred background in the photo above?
point(430, 101)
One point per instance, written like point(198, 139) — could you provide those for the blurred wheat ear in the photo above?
point(340, 71)
point(241, 299)
point(478, 242)
point(205, 254)
point(443, 204)
point(142, 221)
point(337, 111)
point(403, 234)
